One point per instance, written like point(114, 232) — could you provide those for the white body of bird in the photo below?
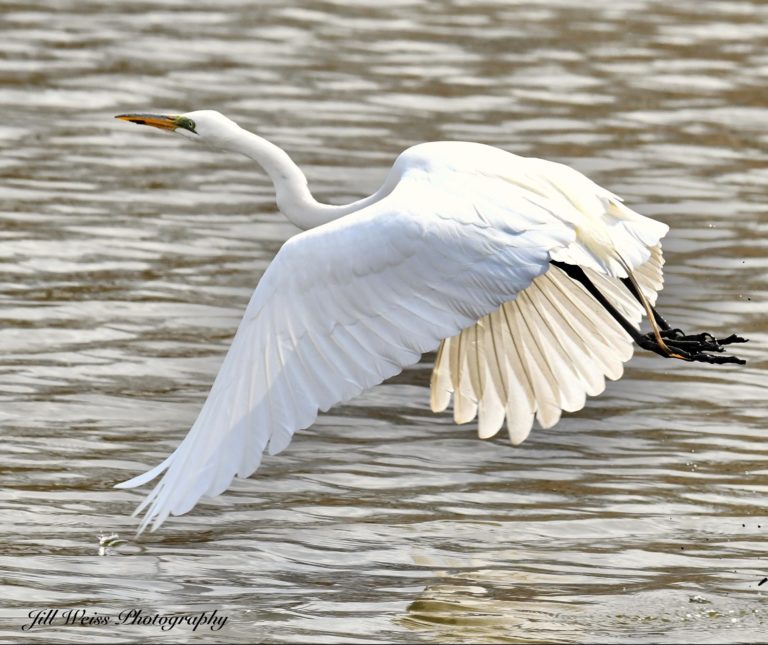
point(451, 254)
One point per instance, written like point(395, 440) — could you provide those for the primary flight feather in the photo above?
point(528, 278)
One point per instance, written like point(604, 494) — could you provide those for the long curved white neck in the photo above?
point(293, 197)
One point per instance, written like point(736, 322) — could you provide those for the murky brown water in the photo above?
point(127, 257)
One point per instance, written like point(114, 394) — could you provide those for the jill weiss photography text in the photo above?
point(48, 617)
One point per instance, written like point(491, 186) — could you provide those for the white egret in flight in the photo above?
point(528, 279)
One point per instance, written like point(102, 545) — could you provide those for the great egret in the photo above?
point(528, 278)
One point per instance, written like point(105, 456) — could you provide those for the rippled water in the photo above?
point(127, 257)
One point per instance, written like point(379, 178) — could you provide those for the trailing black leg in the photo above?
point(577, 273)
point(663, 324)
point(665, 341)
point(695, 342)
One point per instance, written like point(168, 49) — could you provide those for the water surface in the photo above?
point(127, 257)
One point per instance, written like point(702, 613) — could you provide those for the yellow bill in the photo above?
point(162, 121)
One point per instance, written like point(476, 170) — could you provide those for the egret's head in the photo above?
point(206, 126)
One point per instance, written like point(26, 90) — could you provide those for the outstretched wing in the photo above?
point(553, 345)
point(540, 354)
point(348, 304)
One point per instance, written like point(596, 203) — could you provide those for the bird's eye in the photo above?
point(186, 123)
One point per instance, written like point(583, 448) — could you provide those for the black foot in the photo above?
point(692, 347)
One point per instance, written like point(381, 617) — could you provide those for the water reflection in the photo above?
point(126, 259)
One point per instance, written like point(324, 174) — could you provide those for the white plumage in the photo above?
point(539, 354)
point(453, 253)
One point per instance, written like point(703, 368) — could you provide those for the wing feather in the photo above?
point(556, 348)
point(318, 332)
